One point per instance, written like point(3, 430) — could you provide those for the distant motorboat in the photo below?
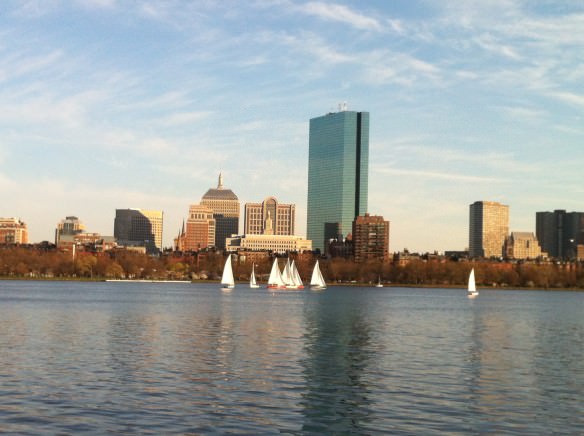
point(472, 288)
point(317, 282)
point(252, 281)
point(227, 280)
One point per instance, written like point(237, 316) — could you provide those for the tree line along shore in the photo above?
point(437, 271)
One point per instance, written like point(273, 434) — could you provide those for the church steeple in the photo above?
point(220, 184)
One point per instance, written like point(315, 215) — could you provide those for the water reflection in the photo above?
point(336, 344)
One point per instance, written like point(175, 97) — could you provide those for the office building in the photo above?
point(138, 227)
point(70, 226)
point(225, 206)
point(13, 231)
point(522, 245)
point(200, 229)
point(273, 243)
point(338, 171)
point(269, 217)
point(370, 238)
point(488, 228)
point(560, 233)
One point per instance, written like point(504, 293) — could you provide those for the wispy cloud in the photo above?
point(342, 14)
point(568, 97)
point(438, 175)
point(180, 118)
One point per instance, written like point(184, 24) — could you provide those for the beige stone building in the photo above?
point(274, 243)
point(269, 217)
point(522, 245)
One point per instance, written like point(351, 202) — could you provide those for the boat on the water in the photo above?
point(294, 280)
point(472, 291)
point(275, 281)
point(227, 280)
point(317, 282)
point(252, 281)
point(379, 285)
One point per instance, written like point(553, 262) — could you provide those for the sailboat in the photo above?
point(252, 281)
point(379, 285)
point(317, 280)
point(295, 282)
point(472, 288)
point(275, 280)
point(227, 280)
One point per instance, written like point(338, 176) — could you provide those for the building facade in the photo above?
point(370, 238)
point(522, 245)
point(225, 206)
point(13, 231)
point(269, 217)
point(559, 232)
point(138, 227)
point(200, 228)
point(338, 174)
point(70, 226)
point(273, 243)
point(488, 229)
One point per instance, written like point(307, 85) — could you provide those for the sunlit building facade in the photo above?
point(69, 226)
point(225, 206)
point(200, 228)
point(138, 227)
point(522, 245)
point(370, 238)
point(13, 231)
point(269, 217)
point(338, 173)
point(488, 229)
point(273, 243)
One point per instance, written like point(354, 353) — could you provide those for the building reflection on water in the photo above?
point(337, 355)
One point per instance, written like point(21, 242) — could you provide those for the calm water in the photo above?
point(182, 358)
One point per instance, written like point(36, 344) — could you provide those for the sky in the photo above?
point(113, 104)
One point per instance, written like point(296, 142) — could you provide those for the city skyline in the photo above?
point(108, 105)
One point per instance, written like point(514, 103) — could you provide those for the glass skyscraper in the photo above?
point(338, 173)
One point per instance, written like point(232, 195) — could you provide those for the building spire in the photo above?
point(220, 184)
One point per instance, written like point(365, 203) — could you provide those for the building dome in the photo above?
point(220, 193)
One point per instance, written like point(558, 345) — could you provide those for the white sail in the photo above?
point(379, 284)
point(252, 280)
point(295, 280)
point(317, 280)
point(472, 288)
point(227, 280)
point(287, 275)
point(275, 280)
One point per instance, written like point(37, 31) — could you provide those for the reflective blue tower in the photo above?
point(338, 173)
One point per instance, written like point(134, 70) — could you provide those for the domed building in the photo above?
point(225, 206)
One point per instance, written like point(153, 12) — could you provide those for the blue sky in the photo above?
point(109, 104)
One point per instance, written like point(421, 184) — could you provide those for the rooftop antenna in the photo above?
point(343, 106)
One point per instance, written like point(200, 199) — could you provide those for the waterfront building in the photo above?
point(200, 228)
point(338, 173)
point(370, 238)
point(225, 206)
point(560, 232)
point(13, 231)
point(269, 216)
point(273, 243)
point(522, 245)
point(488, 228)
point(70, 226)
point(138, 227)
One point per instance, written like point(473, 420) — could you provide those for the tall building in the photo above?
point(370, 238)
point(269, 216)
point(338, 173)
point(488, 228)
point(225, 206)
point(70, 226)
point(559, 232)
point(200, 229)
point(13, 231)
point(137, 227)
